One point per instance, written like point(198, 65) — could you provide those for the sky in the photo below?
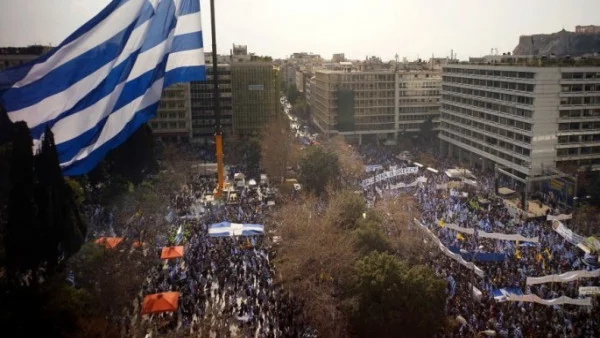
point(384, 28)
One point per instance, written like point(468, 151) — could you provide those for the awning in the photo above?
point(109, 242)
point(160, 302)
point(171, 252)
point(505, 191)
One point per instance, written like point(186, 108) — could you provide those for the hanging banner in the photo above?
point(561, 217)
point(566, 233)
point(563, 278)
point(449, 253)
point(401, 185)
point(589, 290)
point(556, 301)
point(390, 174)
point(493, 235)
point(373, 167)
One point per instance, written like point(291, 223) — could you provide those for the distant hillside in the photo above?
point(560, 43)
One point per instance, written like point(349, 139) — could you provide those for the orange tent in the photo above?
point(109, 242)
point(160, 302)
point(172, 252)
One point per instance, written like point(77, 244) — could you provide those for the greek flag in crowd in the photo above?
point(105, 80)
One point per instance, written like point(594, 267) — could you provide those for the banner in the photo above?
point(589, 290)
point(441, 186)
point(556, 301)
point(421, 179)
point(561, 217)
point(566, 233)
point(390, 174)
point(449, 253)
point(478, 256)
point(563, 278)
point(373, 167)
point(493, 235)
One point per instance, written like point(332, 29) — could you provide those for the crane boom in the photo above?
point(217, 104)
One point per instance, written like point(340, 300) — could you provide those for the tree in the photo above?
point(393, 299)
point(292, 94)
point(345, 209)
point(21, 239)
point(318, 169)
point(352, 168)
point(278, 150)
point(369, 237)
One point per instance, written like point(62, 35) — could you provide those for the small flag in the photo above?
point(539, 258)
point(548, 254)
point(105, 80)
point(460, 237)
point(442, 223)
point(518, 254)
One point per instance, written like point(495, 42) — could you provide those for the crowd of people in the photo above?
point(470, 299)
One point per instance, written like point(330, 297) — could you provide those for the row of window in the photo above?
point(410, 85)
point(490, 95)
point(481, 146)
point(580, 88)
point(491, 72)
point(171, 104)
point(419, 93)
point(523, 87)
point(167, 125)
point(417, 110)
point(491, 108)
point(580, 100)
point(575, 139)
point(488, 134)
point(414, 117)
point(580, 75)
point(474, 114)
point(578, 151)
point(171, 115)
point(592, 125)
point(580, 113)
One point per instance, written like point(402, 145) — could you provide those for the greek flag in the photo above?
point(105, 80)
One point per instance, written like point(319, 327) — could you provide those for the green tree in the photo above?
point(345, 209)
point(395, 300)
point(278, 150)
point(318, 169)
point(292, 94)
point(370, 237)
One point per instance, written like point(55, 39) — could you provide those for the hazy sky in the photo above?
point(355, 27)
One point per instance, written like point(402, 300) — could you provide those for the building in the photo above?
point(300, 80)
point(374, 105)
point(173, 117)
point(202, 105)
point(339, 57)
point(587, 29)
point(523, 116)
point(14, 56)
point(255, 96)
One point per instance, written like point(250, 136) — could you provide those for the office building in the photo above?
point(14, 56)
point(173, 117)
point(375, 105)
point(202, 105)
point(339, 57)
point(255, 96)
point(522, 114)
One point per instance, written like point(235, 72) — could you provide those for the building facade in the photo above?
point(14, 56)
point(522, 118)
point(376, 105)
point(255, 90)
point(173, 117)
point(202, 105)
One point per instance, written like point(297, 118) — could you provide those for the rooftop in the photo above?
point(533, 61)
point(31, 50)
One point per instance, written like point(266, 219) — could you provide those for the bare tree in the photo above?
point(278, 150)
point(351, 165)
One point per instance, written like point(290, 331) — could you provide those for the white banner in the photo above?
point(566, 233)
point(561, 217)
point(492, 235)
point(390, 174)
point(556, 301)
point(441, 186)
point(563, 278)
point(421, 179)
point(589, 290)
point(449, 253)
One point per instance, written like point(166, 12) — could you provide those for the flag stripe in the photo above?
point(110, 25)
point(106, 79)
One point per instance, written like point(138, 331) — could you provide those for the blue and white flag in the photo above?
point(105, 80)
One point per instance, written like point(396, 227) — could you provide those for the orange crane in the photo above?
point(217, 104)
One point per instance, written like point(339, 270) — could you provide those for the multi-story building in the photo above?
point(14, 56)
point(202, 104)
point(255, 96)
point(300, 80)
point(338, 57)
point(524, 117)
point(375, 105)
point(173, 117)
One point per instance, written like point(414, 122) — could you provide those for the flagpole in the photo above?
point(217, 102)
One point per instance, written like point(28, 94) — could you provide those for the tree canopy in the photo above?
point(318, 169)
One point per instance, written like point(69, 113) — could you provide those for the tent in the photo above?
point(109, 242)
point(160, 302)
point(170, 252)
point(227, 229)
